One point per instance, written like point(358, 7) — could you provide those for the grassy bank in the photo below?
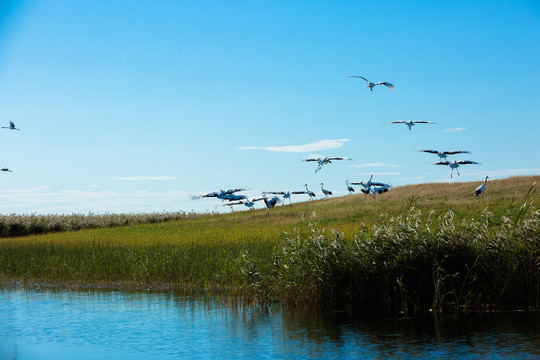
point(429, 246)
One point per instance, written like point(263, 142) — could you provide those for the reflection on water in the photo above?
point(46, 324)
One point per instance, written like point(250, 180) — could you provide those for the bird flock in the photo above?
point(369, 187)
point(10, 127)
point(231, 198)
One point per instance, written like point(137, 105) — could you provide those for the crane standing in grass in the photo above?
point(309, 192)
point(325, 192)
point(480, 190)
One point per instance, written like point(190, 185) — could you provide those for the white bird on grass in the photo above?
point(308, 192)
point(480, 190)
point(325, 192)
point(380, 188)
point(443, 154)
point(321, 161)
point(454, 164)
point(11, 126)
point(372, 85)
point(269, 202)
point(365, 184)
point(411, 123)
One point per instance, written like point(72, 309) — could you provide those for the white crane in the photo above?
point(480, 190)
point(325, 192)
point(442, 154)
point(372, 85)
point(321, 161)
point(380, 188)
point(411, 123)
point(5, 169)
point(222, 194)
point(365, 184)
point(285, 194)
point(372, 188)
point(268, 202)
point(454, 164)
point(248, 203)
point(308, 192)
point(11, 126)
point(350, 189)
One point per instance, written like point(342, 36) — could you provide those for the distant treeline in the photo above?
point(22, 225)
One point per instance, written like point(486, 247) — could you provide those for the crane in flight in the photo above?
point(411, 123)
point(321, 161)
point(248, 203)
point(11, 126)
point(454, 164)
point(372, 85)
point(222, 194)
point(5, 169)
point(442, 154)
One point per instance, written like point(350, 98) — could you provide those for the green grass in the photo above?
point(419, 247)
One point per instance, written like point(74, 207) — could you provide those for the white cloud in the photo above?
point(316, 146)
point(144, 178)
point(501, 173)
point(380, 173)
point(374, 165)
point(456, 129)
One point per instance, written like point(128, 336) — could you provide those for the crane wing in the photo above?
point(387, 84)
point(430, 151)
point(423, 122)
point(464, 162)
point(397, 122)
point(232, 191)
point(359, 77)
point(339, 158)
point(441, 163)
point(275, 192)
point(456, 152)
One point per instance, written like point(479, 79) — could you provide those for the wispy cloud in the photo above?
point(456, 129)
point(144, 178)
point(380, 173)
point(374, 165)
point(501, 172)
point(316, 146)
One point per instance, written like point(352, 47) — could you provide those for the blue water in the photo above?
point(47, 324)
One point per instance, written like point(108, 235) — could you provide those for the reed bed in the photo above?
point(416, 248)
point(409, 264)
point(22, 225)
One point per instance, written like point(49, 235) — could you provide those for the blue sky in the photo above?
point(131, 106)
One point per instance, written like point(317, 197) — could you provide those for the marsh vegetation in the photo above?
point(417, 248)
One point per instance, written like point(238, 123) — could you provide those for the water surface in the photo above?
point(53, 324)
